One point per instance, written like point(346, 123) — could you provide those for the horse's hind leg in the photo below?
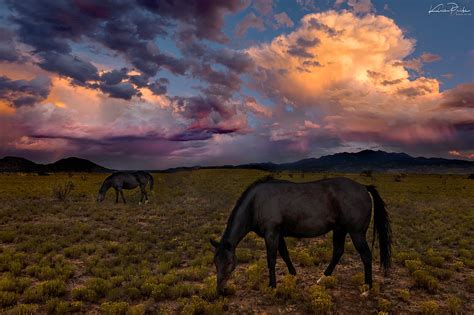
point(121, 194)
point(144, 194)
point(360, 243)
point(271, 243)
point(286, 256)
point(338, 240)
point(116, 195)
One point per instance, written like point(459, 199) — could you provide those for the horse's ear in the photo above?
point(214, 243)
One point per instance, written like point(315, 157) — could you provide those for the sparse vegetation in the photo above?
point(83, 257)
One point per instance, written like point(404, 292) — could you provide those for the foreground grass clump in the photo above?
point(320, 300)
point(429, 307)
point(83, 257)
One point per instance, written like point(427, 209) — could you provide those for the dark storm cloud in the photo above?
point(299, 52)
point(123, 90)
point(50, 27)
point(198, 107)
point(23, 92)
point(194, 134)
point(204, 17)
point(70, 66)
point(114, 76)
point(303, 42)
point(462, 96)
point(228, 79)
point(8, 52)
point(157, 88)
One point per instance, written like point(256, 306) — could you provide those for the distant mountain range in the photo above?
point(378, 161)
point(71, 164)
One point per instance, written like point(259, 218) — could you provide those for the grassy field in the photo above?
point(78, 256)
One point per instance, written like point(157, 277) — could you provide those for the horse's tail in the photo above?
point(152, 181)
point(382, 229)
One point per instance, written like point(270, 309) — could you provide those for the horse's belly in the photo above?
point(306, 228)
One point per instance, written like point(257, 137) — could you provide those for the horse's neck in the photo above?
point(239, 225)
point(105, 186)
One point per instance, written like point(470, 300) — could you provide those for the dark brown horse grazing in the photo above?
point(126, 180)
point(275, 209)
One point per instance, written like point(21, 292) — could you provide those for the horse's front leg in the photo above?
point(116, 195)
point(121, 194)
point(271, 243)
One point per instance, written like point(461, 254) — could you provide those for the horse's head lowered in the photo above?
point(225, 261)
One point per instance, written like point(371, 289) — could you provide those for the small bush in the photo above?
point(470, 283)
point(320, 300)
point(424, 280)
point(404, 294)
point(328, 282)
point(429, 307)
point(256, 273)
point(56, 306)
point(114, 308)
point(7, 298)
point(413, 265)
point(196, 305)
point(358, 278)
point(63, 192)
point(286, 289)
point(7, 236)
point(454, 304)
point(17, 285)
point(23, 309)
point(45, 290)
point(384, 305)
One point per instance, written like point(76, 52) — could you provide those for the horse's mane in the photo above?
point(242, 197)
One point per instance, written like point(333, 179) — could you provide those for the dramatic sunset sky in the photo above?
point(158, 84)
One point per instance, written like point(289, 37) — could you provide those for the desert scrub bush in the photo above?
point(358, 278)
point(163, 267)
point(196, 305)
point(328, 282)
point(401, 256)
point(319, 300)
point(413, 265)
point(8, 298)
point(454, 304)
point(321, 254)
point(384, 305)
point(12, 284)
point(139, 309)
point(45, 290)
point(180, 290)
point(114, 308)
point(63, 192)
point(440, 273)
point(429, 307)
point(255, 274)
point(433, 259)
point(424, 280)
point(160, 292)
point(302, 257)
point(403, 294)
point(56, 306)
point(208, 289)
point(193, 273)
point(244, 255)
point(23, 309)
point(286, 289)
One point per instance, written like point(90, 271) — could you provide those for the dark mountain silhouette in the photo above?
point(71, 164)
point(74, 164)
point(378, 161)
point(18, 164)
point(364, 160)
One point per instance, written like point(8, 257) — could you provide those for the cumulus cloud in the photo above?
point(350, 72)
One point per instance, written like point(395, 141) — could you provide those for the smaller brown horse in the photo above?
point(126, 180)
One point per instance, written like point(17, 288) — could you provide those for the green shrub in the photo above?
point(114, 308)
point(454, 304)
point(384, 305)
point(286, 289)
point(56, 306)
point(302, 256)
point(196, 305)
point(45, 290)
point(208, 290)
point(160, 292)
point(320, 300)
point(7, 236)
point(84, 294)
point(358, 278)
point(328, 282)
point(8, 298)
point(413, 265)
point(23, 309)
point(256, 274)
point(429, 307)
point(139, 309)
point(17, 285)
point(424, 280)
point(404, 294)
point(180, 290)
point(470, 283)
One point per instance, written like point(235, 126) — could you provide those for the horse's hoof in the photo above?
point(365, 294)
point(139, 203)
point(320, 279)
point(146, 202)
